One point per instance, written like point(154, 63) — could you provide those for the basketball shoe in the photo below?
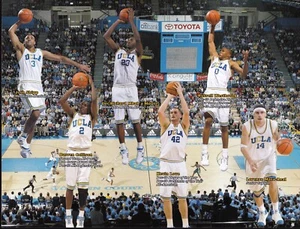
point(204, 160)
point(262, 218)
point(140, 155)
point(224, 163)
point(25, 150)
point(80, 222)
point(277, 218)
point(69, 221)
point(124, 153)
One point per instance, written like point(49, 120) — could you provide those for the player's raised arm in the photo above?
point(64, 103)
point(242, 71)
point(163, 120)
point(211, 42)
point(18, 46)
point(94, 109)
point(139, 46)
point(185, 109)
point(107, 36)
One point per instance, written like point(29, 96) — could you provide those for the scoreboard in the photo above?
point(182, 47)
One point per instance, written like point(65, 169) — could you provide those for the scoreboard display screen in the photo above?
point(187, 58)
point(181, 52)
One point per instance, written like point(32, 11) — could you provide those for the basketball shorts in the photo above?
point(180, 188)
point(31, 96)
point(121, 96)
point(265, 168)
point(220, 114)
point(75, 174)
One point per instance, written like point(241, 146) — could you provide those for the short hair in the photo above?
point(178, 108)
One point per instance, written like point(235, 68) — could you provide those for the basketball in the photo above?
point(124, 15)
point(25, 15)
point(170, 89)
point(80, 79)
point(285, 146)
point(213, 17)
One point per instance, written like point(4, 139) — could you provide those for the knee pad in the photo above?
point(83, 193)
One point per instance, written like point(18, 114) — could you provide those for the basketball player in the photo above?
point(233, 181)
point(30, 61)
point(219, 73)
point(79, 144)
point(51, 175)
point(258, 145)
point(174, 132)
point(127, 62)
point(198, 169)
point(110, 176)
point(52, 158)
point(30, 184)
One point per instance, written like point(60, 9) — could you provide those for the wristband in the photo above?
point(243, 146)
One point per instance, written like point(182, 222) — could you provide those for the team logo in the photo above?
point(111, 133)
point(218, 133)
point(192, 133)
point(151, 133)
point(168, 26)
point(149, 163)
point(97, 133)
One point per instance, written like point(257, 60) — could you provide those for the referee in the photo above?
point(30, 184)
point(233, 180)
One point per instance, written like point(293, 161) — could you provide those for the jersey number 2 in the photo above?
point(81, 130)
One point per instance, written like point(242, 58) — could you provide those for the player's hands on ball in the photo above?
point(84, 68)
point(130, 15)
point(90, 79)
point(178, 88)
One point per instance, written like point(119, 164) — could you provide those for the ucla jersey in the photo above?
point(219, 74)
point(126, 67)
point(173, 143)
point(80, 132)
point(31, 66)
point(261, 143)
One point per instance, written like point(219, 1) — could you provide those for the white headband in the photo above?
point(259, 109)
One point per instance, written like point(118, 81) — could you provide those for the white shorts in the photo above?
point(109, 179)
point(122, 95)
point(181, 188)
point(265, 168)
point(221, 114)
point(30, 102)
point(77, 175)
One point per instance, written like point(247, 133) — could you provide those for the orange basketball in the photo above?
point(213, 17)
point(25, 15)
point(285, 146)
point(124, 14)
point(80, 79)
point(170, 89)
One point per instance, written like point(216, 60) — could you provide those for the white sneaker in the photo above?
point(69, 222)
point(204, 160)
point(277, 218)
point(21, 141)
point(140, 155)
point(80, 222)
point(262, 218)
point(25, 152)
point(224, 163)
point(124, 153)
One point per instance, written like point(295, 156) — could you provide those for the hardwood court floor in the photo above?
point(17, 171)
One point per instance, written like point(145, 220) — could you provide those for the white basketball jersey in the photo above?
point(80, 132)
point(126, 67)
point(219, 74)
point(261, 143)
point(173, 143)
point(31, 65)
